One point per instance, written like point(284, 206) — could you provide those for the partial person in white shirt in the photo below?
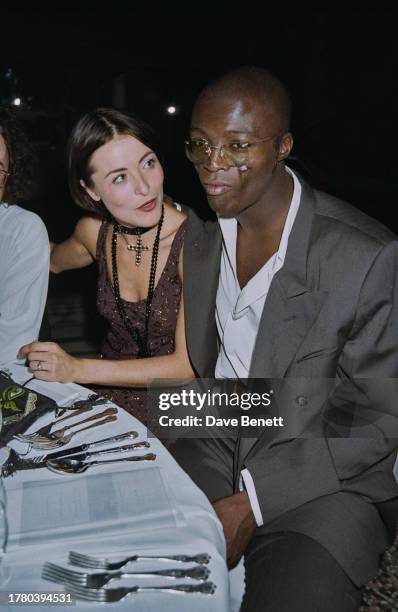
point(24, 245)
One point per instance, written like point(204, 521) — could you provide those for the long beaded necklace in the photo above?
point(143, 350)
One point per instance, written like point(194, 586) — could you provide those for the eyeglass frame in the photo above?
point(209, 148)
point(5, 173)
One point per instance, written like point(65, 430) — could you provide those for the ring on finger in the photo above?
point(39, 365)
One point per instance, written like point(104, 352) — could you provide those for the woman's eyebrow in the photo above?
point(145, 155)
point(125, 169)
point(116, 170)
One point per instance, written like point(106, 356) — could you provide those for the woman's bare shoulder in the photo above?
point(86, 231)
point(174, 217)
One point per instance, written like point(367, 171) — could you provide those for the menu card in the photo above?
point(107, 503)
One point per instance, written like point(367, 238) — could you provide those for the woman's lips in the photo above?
point(148, 206)
point(216, 188)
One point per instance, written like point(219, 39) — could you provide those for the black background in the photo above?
point(340, 66)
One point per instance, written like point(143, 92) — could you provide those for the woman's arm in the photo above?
point(57, 365)
point(77, 251)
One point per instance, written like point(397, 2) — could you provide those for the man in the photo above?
point(304, 289)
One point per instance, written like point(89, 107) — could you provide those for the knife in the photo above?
point(83, 447)
point(107, 451)
point(29, 464)
point(15, 462)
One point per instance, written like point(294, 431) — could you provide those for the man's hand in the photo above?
point(50, 362)
point(236, 516)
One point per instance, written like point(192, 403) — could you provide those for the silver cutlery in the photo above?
point(57, 442)
point(86, 446)
point(113, 595)
point(74, 413)
point(74, 466)
point(92, 400)
point(43, 434)
point(89, 561)
point(42, 459)
point(43, 431)
point(15, 462)
point(57, 573)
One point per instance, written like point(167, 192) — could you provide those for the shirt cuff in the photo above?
point(247, 480)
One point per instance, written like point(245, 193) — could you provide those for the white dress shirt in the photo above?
point(24, 268)
point(238, 311)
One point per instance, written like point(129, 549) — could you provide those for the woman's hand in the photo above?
point(50, 362)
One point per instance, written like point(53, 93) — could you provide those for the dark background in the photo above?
point(340, 67)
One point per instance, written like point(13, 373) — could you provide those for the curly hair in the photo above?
point(21, 158)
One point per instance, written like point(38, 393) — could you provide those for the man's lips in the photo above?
point(148, 206)
point(216, 188)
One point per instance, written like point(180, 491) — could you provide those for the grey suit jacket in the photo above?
point(328, 340)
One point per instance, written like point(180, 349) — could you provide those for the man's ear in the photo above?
point(285, 146)
point(93, 195)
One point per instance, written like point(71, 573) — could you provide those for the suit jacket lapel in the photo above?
point(202, 254)
point(290, 309)
point(291, 303)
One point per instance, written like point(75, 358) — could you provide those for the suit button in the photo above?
point(301, 400)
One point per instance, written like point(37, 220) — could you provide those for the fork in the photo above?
point(43, 431)
point(113, 595)
point(92, 400)
point(76, 558)
point(56, 573)
point(43, 435)
point(58, 442)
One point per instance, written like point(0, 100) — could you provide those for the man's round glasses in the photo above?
point(198, 151)
point(3, 176)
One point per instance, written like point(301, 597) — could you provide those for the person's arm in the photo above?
point(59, 366)
point(24, 263)
point(366, 392)
point(77, 251)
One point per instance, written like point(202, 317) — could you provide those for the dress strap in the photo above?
point(171, 264)
point(101, 247)
point(178, 240)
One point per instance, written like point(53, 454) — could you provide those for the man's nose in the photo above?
point(215, 160)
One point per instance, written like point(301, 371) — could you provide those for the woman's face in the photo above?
point(4, 163)
point(128, 178)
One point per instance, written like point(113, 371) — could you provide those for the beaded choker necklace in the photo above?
point(132, 231)
point(143, 350)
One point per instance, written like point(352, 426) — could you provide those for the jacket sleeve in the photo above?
point(358, 438)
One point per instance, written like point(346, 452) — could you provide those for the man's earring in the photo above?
point(243, 168)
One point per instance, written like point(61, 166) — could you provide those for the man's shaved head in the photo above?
point(257, 84)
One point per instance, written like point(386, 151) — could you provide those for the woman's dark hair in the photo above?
point(92, 131)
point(21, 165)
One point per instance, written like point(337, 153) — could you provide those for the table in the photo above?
point(153, 508)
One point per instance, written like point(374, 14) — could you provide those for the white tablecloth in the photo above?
point(169, 514)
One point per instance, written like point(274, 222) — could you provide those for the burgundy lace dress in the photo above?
point(118, 343)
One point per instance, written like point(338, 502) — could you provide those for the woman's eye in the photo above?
point(238, 146)
point(119, 179)
point(150, 163)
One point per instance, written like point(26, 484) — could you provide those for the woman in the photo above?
point(136, 239)
point(24, 247)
